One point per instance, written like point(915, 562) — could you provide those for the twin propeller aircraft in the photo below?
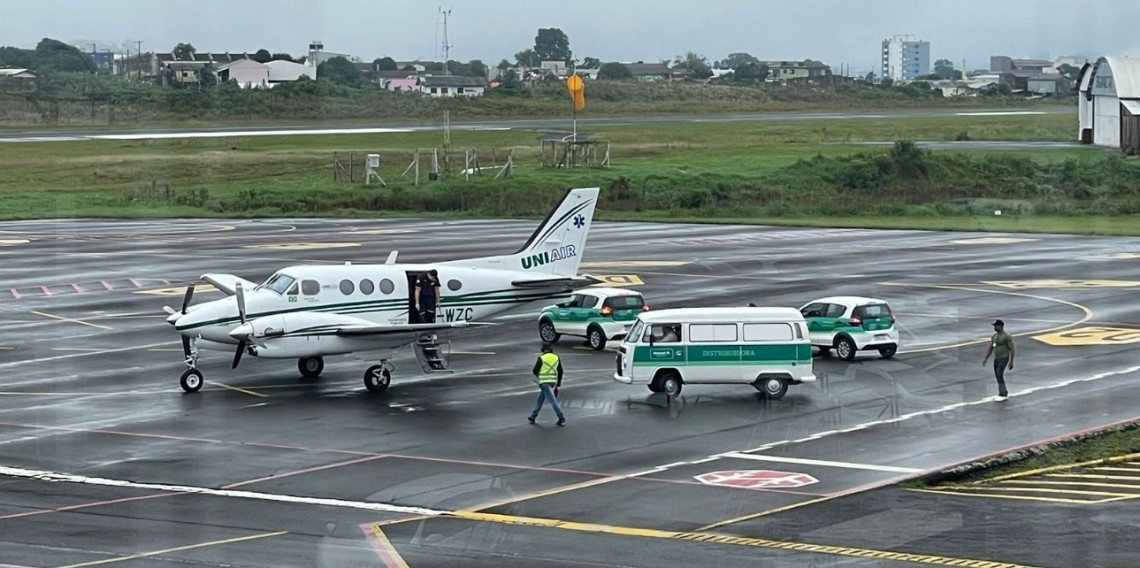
point(311, 311)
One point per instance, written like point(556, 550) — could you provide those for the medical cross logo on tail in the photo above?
point(370, 309)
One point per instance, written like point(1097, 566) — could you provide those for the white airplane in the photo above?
point(309, 311)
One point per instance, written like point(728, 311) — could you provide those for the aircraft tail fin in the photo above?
point(557, 245)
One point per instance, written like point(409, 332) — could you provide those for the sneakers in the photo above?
point(561, 422)
point(1001, 398)
point(530, 419)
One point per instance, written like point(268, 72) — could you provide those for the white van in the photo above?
point(767, 348)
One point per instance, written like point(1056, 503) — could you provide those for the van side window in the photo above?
point(768, 332)
point(712, 332)
point(664, 333)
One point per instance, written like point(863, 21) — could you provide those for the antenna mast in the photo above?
point(446, 73)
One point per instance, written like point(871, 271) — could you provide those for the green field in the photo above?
point(813, 172)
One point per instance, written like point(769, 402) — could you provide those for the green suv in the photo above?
point(850, 324)
point(598, 314)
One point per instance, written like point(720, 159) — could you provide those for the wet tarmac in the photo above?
point(104, 460)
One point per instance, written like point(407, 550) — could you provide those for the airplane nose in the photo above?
point(242, 331)
point(172, 319)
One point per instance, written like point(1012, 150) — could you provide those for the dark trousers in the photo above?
point(1000, 363)
point(427, 313)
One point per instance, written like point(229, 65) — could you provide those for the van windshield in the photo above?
point(634, 332)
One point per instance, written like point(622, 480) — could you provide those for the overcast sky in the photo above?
point(838, 32)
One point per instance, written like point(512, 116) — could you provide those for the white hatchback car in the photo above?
point(598, 314)
point(850, 324)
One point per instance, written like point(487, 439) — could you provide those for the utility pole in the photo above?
point(139, 62)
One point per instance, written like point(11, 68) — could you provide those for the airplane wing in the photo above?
point(375, 329)
point(571, 282)
point(227, 283)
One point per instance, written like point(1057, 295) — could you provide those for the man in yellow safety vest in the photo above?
point(548, 373)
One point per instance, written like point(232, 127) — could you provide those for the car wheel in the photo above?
point(773, 387)
point(670, 383)
point(825, 352)
point(547, 333)
point(888, 352)
point(597, 338)
point(845, 348)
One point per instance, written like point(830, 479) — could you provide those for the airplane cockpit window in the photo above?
point(279, 283)
point(294, 289)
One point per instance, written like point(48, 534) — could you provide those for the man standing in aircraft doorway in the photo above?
point(427, 296)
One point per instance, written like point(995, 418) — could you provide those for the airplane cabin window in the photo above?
point(310, 287)
point(386, 286)
point(454, 285)
point(367, 287)
point(346, 287)
point(280, 283)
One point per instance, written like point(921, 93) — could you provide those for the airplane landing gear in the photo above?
point(310, 367)
point(191, 380)
point(378, 377)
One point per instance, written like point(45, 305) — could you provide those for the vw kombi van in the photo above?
point(767, 348)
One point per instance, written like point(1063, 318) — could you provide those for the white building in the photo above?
point(281, 71)
point(452, 86)
point(247, 73)
point(905, 57)
point(318, 55)
point(1109, 103)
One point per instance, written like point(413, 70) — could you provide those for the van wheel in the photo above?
point(845, 348)
point(773, 387)
point(597, 338)
point(888, 352)
point(670, 383)
point(547, 333)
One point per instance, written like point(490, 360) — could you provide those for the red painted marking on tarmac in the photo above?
point(46, 291)
point(77, 287)
point(15, 294)
point(304, 471)
point(135, 282)
point(106, 286)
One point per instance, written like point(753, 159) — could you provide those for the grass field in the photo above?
point(761, 172)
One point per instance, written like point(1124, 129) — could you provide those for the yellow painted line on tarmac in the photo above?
point(992, 241)
point(964, 493)
point(714, 538)
point(1053, 491)
point(1095, 476)
point(757, 515)
point(7, 242)
point(70, 320)
point(1096, 335)
point(239, 389)
point(1063, 467)
point(1063, 284)
point(621, 280)
point(1077, 483)
point(178, 291)
point(388, 553)
point(1088, 314)
point(178, 549)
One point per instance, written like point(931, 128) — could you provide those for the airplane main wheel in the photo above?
point(191, 380)
point(310, 367)
point(377, 378)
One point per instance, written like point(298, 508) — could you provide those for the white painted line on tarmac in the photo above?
point(87, 354)
point(802, 461)
point(947, 408)
point(52, 476)
point(239, 133)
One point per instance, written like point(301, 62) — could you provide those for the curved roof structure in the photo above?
point(1125, 72)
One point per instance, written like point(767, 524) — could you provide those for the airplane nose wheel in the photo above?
point(310, 367)
point(191, 380)
point(377, 378)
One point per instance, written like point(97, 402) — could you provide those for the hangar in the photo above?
point(1109, 103)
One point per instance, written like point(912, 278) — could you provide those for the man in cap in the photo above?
point(1001, 347)
point(548, 374)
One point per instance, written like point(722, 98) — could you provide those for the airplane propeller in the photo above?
point(185, 304)
point(242, 344)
